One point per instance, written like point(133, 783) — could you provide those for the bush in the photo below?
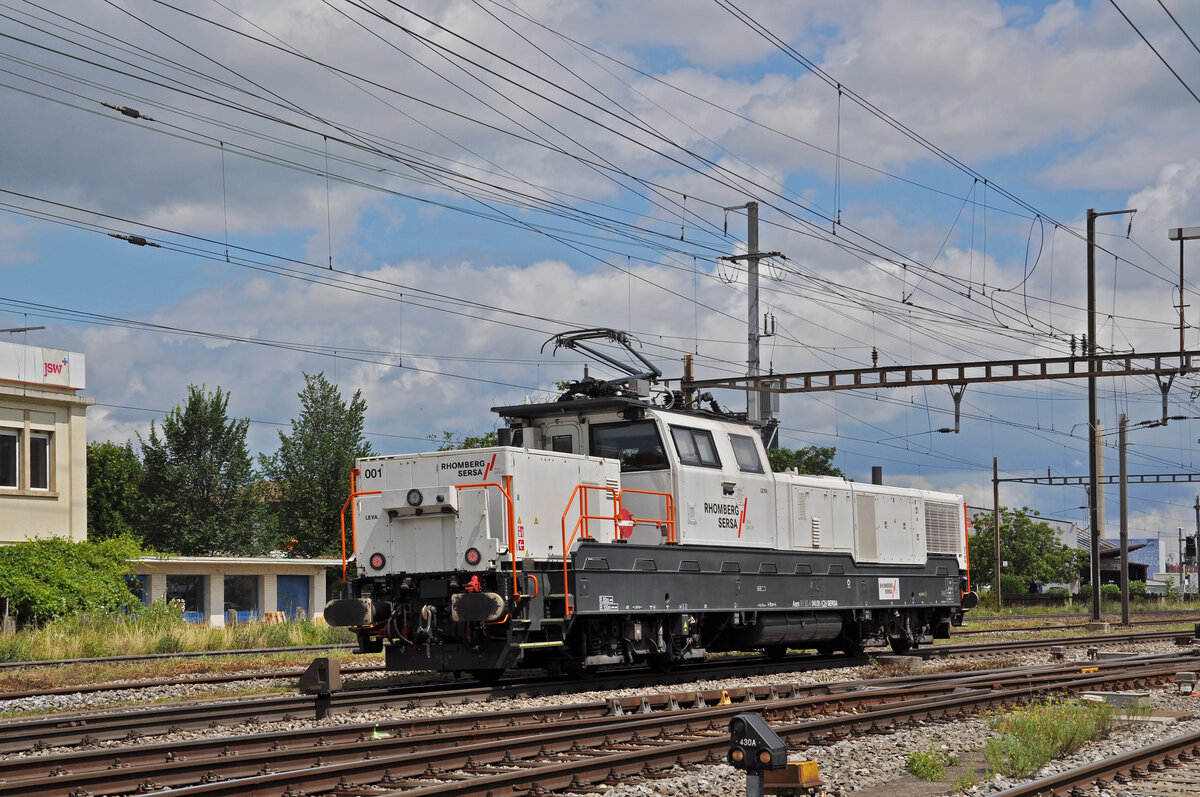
point(1137, 588)
point(1085, 593)
point(930, 766)
point(1110, 592)
point(1012, 584)
point(49, 578)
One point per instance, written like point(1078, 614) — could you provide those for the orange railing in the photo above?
point(509, 514)
point(353, 523)
point(581, 524)
point(669, 507)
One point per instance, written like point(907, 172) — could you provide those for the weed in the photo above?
point(965, 781)
point(931, 765)
point(1030, 738)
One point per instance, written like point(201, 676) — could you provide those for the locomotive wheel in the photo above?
point(775, 651)
point(489, 677)
point(900, 645)
point(826, 649)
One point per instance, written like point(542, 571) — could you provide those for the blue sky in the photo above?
point(484, 174)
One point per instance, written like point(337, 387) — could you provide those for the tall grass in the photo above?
point(156, 629)
point(1028, 739)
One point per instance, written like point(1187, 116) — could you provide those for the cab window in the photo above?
point(635, 444)
point(746, 453)
point(695, 447)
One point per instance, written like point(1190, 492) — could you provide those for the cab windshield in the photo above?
point(635, 444)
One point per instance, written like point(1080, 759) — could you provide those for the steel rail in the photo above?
point(9, 665)
point(206, 678)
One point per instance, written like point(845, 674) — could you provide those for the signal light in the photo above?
point(473, 556)
point(377, 561)
point(754, 747)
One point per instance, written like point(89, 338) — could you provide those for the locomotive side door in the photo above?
point(563, 437)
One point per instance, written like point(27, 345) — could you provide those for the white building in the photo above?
point(43, 443)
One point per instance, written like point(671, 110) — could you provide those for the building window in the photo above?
point(189, 592)
point(241, 596)
point(10, 446)
point(139, 587)
point(39, 460)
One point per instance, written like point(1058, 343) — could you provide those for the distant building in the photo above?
point(43, 443)
point(225, 589)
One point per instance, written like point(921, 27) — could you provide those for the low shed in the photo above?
point(214, 589)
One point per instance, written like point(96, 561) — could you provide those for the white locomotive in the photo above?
point(607, 529)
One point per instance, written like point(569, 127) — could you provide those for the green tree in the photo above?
point(1030, 546)
point(52, 577)
point(199, 483)
point(114, 502)
point(310, 473)
point(812, 460)
point(449, 441)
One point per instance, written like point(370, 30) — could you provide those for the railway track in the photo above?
point(964, 649)
point(1051, 622)
point(66, 729)
point(11, 665)
point(1167, 769)
point(524, 749)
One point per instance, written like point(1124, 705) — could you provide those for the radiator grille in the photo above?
point(942, 528)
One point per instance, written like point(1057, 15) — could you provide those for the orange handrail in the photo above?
point(505, 490)
point(353, 523)
point(581, 490)
point(584, 516)
point(668, 521)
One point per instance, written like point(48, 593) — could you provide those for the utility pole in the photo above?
point(752, 256)
point(753, 408)
point(1182, 586)
point(996, 525)
point(1123, 422)
point(1182, 234)
point(1093, 412)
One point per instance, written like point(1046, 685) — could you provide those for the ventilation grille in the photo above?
point(941, 528)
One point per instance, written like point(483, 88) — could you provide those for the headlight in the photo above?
point(415, 498)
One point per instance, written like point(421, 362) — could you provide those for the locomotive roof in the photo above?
point(578, 406)
point(572, 407)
